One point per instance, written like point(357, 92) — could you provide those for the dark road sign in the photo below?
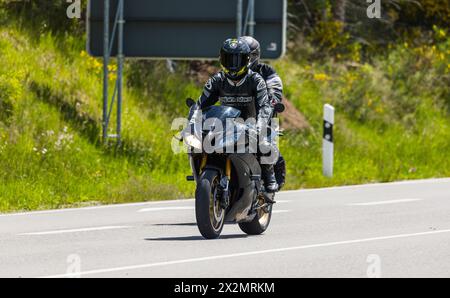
point(181, 29)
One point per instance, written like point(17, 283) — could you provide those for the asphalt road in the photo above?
point(390, 230)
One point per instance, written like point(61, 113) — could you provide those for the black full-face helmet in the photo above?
point(234, 58)
point(255, 51)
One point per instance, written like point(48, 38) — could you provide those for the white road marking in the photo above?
point(244, 254)
point(74, 230)
point(375, 184)
point(385, 202)
point(96, 207)
point(282, 201)
point(165, 209)
point(280, 211)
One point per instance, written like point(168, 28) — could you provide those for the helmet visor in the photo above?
point(233, 61)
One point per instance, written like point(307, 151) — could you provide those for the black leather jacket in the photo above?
point(249, 95)
point(273, 81)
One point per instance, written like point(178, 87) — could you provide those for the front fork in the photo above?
point(224, 193)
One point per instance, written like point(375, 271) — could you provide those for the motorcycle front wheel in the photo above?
point(209, 214)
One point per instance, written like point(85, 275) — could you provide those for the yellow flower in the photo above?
point(97, 64)
point(321, 77)
point(112, 76)
point(112, 67)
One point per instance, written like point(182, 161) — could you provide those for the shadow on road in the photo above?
point(181, 224)
point(194, 238)
point(176, 224)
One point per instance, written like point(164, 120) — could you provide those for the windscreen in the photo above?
point(220, 112)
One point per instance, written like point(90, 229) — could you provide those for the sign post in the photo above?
point(251, 13)
point(105, 70)
point(239, 18)
point(328, 146)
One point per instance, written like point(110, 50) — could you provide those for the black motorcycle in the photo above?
point(229, 185)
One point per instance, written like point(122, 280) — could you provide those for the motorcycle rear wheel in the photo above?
point(260, 222)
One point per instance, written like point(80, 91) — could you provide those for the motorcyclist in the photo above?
point(238, 86)
point(275, 92)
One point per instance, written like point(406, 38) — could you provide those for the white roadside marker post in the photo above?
point(328, 147)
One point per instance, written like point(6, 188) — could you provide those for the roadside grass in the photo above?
point(392, 116)
point(392, 123)
point(50, 150)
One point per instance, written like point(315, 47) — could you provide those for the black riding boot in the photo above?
point(268, 175)
point(280, 172)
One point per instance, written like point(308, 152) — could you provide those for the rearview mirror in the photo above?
point(190, 102)
point(279, 107)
